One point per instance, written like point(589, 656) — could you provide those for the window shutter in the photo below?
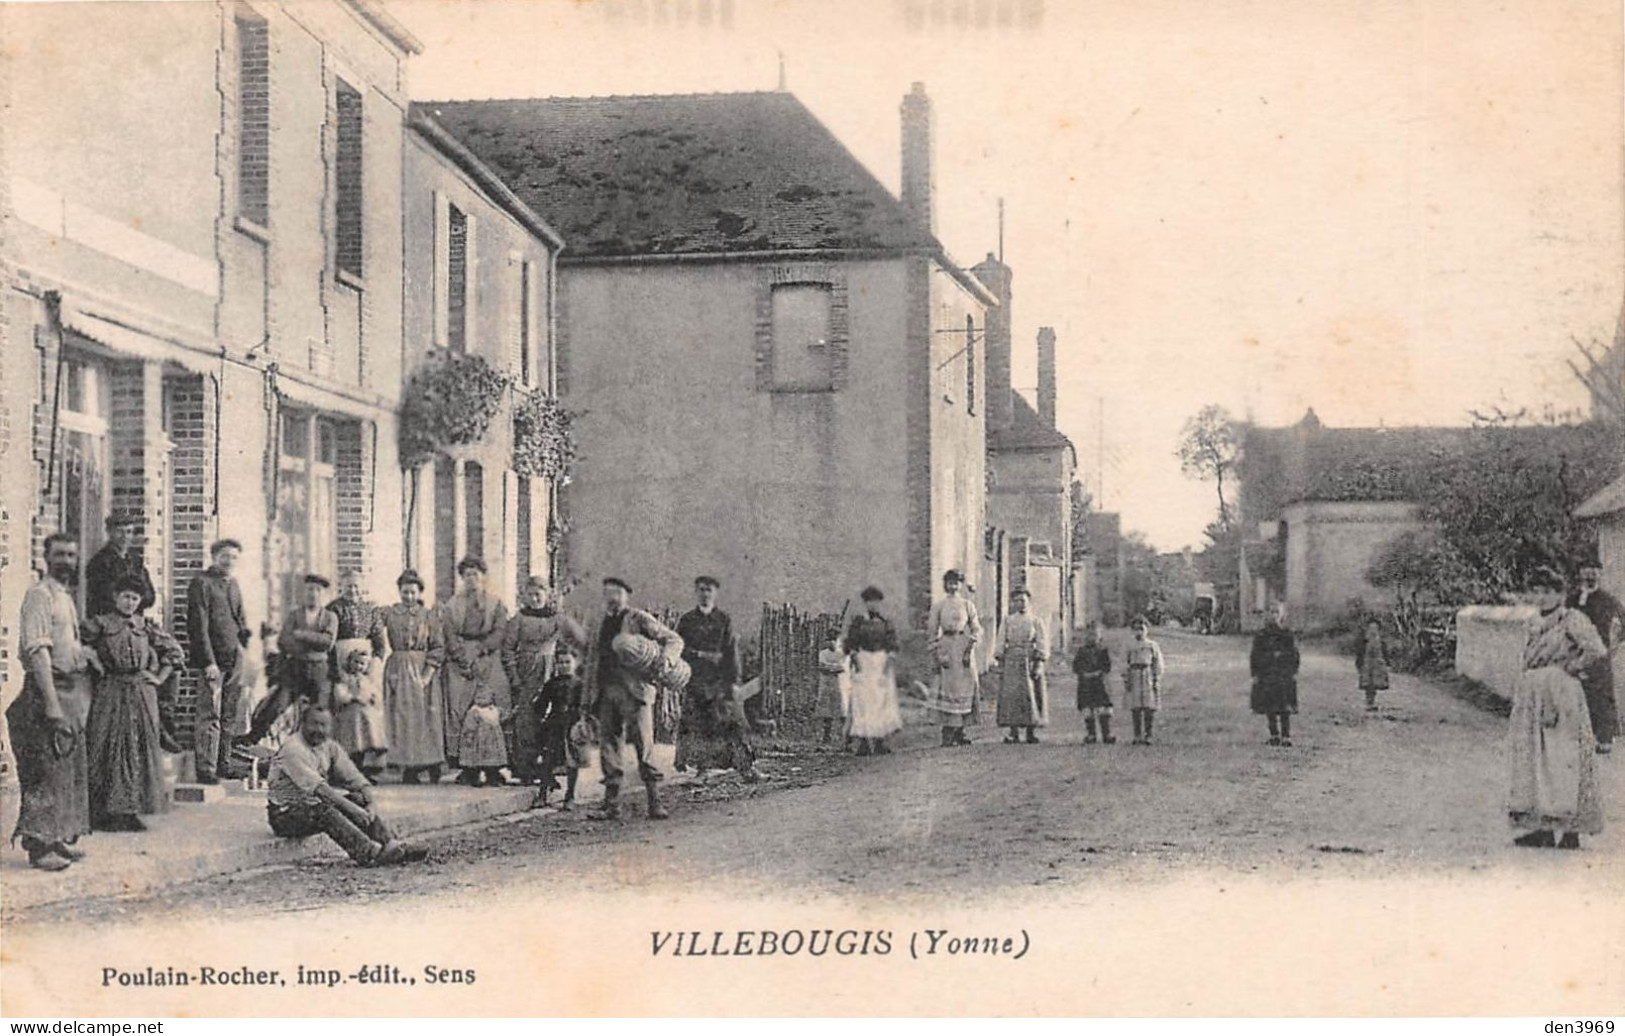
point(442, 268)
point(471, 292)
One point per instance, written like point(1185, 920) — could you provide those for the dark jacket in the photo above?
point(1274, 660)
point(709, 633)
point(216, 631)
point(103, 573)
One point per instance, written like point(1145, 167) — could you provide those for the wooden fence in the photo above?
point(785, 657)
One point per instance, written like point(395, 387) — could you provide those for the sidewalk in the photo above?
point(200, 840)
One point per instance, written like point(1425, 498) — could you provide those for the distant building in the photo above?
point(1606, 510)
point(774, 362)
point(1105, 564)
point(1029, 510)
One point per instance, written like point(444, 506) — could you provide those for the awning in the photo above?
point(138, 344)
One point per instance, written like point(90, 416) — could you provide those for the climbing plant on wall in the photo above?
point(449, 401)
point(543, 440)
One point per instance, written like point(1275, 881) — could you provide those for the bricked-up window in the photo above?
point(457, 280)
point(970, 364)
point(348, 178)
point(802, 357)
point(474, 508)
point(524, 527)
point(253, 119)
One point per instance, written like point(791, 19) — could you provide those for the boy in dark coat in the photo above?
point(1274, 665)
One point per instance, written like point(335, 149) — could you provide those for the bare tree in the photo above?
point(1208, 445)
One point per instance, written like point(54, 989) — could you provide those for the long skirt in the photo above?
point(1092, 693)
point(126, 764)
point(559, 752)
point(874, 696)
point(361, 725)
point(460, 691)
point(1021, 691)
point(713, 733)
point(55, 785)
point(1552, 756)
point(956, 679)
point(1274, 695)
point(1374, 675)
point(414, 718)
point(832, 695)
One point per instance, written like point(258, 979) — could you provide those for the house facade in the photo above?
point(773, 365)
point(480, 280)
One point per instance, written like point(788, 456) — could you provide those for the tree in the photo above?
point(1208, 445)
point(1082, 504)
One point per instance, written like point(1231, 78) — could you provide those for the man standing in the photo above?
point(712, 733)
point(117, 558)
point(47, 721)
point(1606, 615)
point(216, 633)
point(625, 703)
point(306, 643)
point(315, 789)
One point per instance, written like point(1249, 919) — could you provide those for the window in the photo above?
point(524, 528)
point(802, 357)
point(524, 322)
point(84, 454)
point(456, 280)
point(253, 120)
point(970, 364)
point(474, 509)
point(348, 179)
point(307, 533)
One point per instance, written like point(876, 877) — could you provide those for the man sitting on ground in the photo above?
point(315, 788)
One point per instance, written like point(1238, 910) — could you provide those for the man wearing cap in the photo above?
point(308, 635)
point(625, 705)
point(117, 559)
point(216, 634)
point(1608, 618)
point(713, 732)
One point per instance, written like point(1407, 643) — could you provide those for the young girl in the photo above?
point(557, 707)
point(358, 705)
point(832, 692)
point(1142, 680)
point(482, 751)
point(1371, 657)
point(123, 734)
point(1091, 663)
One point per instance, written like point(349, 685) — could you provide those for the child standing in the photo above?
point(1274, 664)
point(358, 707)
point(1371, 657)
point(557, 707)
point(482, 749)
point(1142, 680)
point(831, 694)
point(1091, 663)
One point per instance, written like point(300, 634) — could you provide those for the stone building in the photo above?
point(1029, 513)
point(480, 279)
point(773, 362)
point(203, 290)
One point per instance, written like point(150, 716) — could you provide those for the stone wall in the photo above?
point(1490, 642)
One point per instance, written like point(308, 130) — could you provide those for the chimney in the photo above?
point(1046, 375)
point(918, 196)
point(997, 277)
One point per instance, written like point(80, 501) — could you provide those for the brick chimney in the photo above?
point(1046, 375)
point(918, 193)
point(997, 277)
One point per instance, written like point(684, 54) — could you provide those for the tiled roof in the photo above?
point(1608, 500)
point(685, 174)
point(1026, 430)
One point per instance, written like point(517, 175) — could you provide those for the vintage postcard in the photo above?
point(931, 508)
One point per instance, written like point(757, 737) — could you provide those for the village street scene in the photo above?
point(430, 472)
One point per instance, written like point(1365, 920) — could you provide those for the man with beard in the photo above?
point(47, 721)
point(625, 705)
point(713, 732)
point(117, 559)
point(1608, 618)
point(315, 789)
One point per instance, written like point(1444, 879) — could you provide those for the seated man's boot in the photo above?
point(657, 809)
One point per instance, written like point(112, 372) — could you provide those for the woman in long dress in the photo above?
point(529, 644)
point(123, 733)
point(1023, 650)
point(954, 629)
point(414, 715)
point(1551, 751)
point(473, 623)
point(870, 643)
